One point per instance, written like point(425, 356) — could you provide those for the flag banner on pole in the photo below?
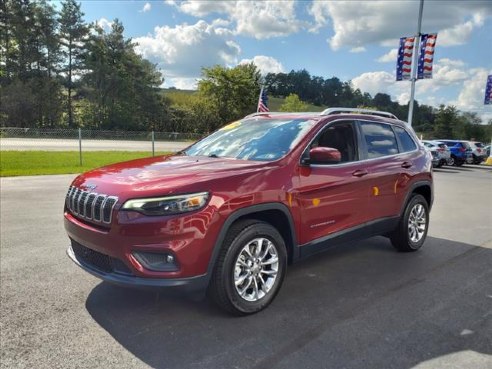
point(488, 91)
point(404, 61)
point(426, 57)
point(262, 102)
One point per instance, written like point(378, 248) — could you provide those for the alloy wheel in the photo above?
point(256, 269)
point(417, 223)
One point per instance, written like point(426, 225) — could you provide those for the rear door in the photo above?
point(391, 166)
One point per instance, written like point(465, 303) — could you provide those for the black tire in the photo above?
point(400, 237)
point(222, 289)
point(459, 163)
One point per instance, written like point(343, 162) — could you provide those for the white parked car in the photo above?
point(443, 153)
point(479, 153)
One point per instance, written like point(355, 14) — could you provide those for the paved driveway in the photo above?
point(361, 305)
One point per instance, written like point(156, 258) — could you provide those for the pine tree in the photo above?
point(73, 37)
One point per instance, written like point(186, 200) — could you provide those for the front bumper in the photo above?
point(191, 284)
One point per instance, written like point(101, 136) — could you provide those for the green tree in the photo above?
point(446, 118)
point(293, 103)
point(73, 37)
point(121, 86)
point(233, 91)
point(29, 46)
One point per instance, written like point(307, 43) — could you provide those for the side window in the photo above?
point(379, 138)
point(407, 144)
point(340, 136)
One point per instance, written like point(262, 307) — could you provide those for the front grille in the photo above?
point(89, 205)
point(98, 260)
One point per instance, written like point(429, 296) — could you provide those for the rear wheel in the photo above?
point(451, 161)
point(250, 268)
point(412, 229)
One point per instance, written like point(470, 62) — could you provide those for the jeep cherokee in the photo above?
point(230, 212)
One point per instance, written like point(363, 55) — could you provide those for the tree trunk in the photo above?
point(70, 118)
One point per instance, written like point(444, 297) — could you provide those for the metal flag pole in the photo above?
point(416, 46)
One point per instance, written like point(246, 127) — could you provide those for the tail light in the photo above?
point(440, 149)
point(462, 149)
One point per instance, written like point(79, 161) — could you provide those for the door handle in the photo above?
point(360, 173)
point(406, 164)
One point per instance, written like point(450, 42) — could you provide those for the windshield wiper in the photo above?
point(213, 156)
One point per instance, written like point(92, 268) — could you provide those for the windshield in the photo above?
point(253, 139)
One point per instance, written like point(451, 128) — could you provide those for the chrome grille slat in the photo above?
point(89, 205)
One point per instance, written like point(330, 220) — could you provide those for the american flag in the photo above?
point(404, 61)
point(426, 57)
point(488, 91)
point(262, 102)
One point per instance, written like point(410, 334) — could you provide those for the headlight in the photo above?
point(168, 205)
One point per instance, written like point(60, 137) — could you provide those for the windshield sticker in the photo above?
point(231, 126)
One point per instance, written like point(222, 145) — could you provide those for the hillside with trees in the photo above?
point(58, 71)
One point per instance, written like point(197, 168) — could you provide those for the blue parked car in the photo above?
point(461, 152)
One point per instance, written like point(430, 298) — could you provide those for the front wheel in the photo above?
point(250, 268)
point(412, 229)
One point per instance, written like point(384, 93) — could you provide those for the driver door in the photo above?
point(333, 197)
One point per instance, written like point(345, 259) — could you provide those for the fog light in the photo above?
point(158, 262)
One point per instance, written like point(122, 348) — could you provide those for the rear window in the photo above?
point(380, 140)
point(466, 145)
point(407, 143)
point(442, 146)
point(479, 144)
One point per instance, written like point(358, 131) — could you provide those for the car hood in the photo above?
point(163, 175)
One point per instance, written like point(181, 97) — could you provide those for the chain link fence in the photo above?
point(59, 139)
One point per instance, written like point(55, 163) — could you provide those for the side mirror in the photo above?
point(324, 155)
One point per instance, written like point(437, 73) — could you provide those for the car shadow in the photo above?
point(355, 306)
point(443, 170)
point(463, 168)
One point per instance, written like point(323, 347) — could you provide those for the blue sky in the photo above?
point(351, 40)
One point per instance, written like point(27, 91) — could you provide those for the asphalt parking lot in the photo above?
point(360, 305)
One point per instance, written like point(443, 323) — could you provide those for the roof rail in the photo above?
point(331, 111)
point(273, 113)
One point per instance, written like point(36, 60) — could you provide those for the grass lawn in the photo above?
point(28, 163)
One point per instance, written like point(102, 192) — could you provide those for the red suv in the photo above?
point(230, 212)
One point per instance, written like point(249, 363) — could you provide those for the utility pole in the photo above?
point(416, 46)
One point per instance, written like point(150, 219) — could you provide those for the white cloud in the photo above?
point(357, 23)
point(389, 57)
point(202, 8)
point(258, 19)
point(321, 14)
point(358, 49)
point(459, 34)
point(266, 64)
point(182, 83)
point(146, 8)
point(472, 95)
point(104, 24)
point(182, 51)
point(374, 82)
